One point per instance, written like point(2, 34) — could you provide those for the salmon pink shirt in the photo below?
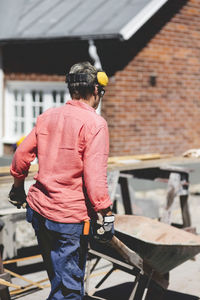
point(72, 146)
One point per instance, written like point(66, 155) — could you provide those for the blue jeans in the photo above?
point(64, 251)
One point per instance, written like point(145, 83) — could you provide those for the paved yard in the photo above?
point(184, 279)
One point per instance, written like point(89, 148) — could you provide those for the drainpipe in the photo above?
point(97, 63)
point(1, 101)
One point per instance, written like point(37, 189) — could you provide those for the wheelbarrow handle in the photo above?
point(129, 255)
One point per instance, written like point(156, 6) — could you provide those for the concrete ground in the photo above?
point(184, 279)
point(184, 283)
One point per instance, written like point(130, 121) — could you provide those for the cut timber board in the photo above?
point(117, 159)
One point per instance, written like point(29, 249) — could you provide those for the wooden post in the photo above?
point(4, 292)
point(185, 211)
point(174, 185)
point(123, 181)
point(184, 200)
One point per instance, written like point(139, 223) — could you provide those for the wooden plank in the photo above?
point(154, 162)
point(11, 261)
point(9, 284)
point(129, 255)
point(116, 159)
point(24, 278)
point(24, 289)
point(6, 169)
point(6, 277)
point(28, 287)
point(6, 177)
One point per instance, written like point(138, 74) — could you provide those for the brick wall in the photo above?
point(165, 117)
point(33, 77)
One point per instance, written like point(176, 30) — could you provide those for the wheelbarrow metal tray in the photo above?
point(163, 247)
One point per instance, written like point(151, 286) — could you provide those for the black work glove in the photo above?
point(17, 196)
point(104, 231)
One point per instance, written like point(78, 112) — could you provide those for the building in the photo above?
point(149, 48)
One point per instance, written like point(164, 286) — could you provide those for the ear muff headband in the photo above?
point(102, 78)
point(78, 77)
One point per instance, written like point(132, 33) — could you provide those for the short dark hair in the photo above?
point(84, 88)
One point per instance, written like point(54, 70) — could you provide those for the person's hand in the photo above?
point(103, 231)
point(17, 196)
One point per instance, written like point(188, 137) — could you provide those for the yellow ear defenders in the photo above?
point(102, 78)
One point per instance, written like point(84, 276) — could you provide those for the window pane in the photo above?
point(22, 127)
point(33, 95)
point(15, 95)
point(22, 111)
point(28, 102)
point(34, 111)
point(15, 130)
point(40, 96)
point(16, 111)
point(54, 96)
point(62, 97)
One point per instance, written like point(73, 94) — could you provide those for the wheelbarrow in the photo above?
point(161, 246)
point(147, 249)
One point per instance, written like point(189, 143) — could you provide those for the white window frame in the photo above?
point(54, 94)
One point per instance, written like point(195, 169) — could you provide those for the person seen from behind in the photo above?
point(72, 146)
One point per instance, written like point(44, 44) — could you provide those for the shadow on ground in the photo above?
point(123, 291)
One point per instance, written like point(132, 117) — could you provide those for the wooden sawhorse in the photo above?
point(178, 184)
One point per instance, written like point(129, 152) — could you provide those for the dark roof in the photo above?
point(82, 19)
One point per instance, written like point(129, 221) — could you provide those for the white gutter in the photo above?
point(1, 101)
point(97, 63)
point(141, 18)
point(94, 55)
